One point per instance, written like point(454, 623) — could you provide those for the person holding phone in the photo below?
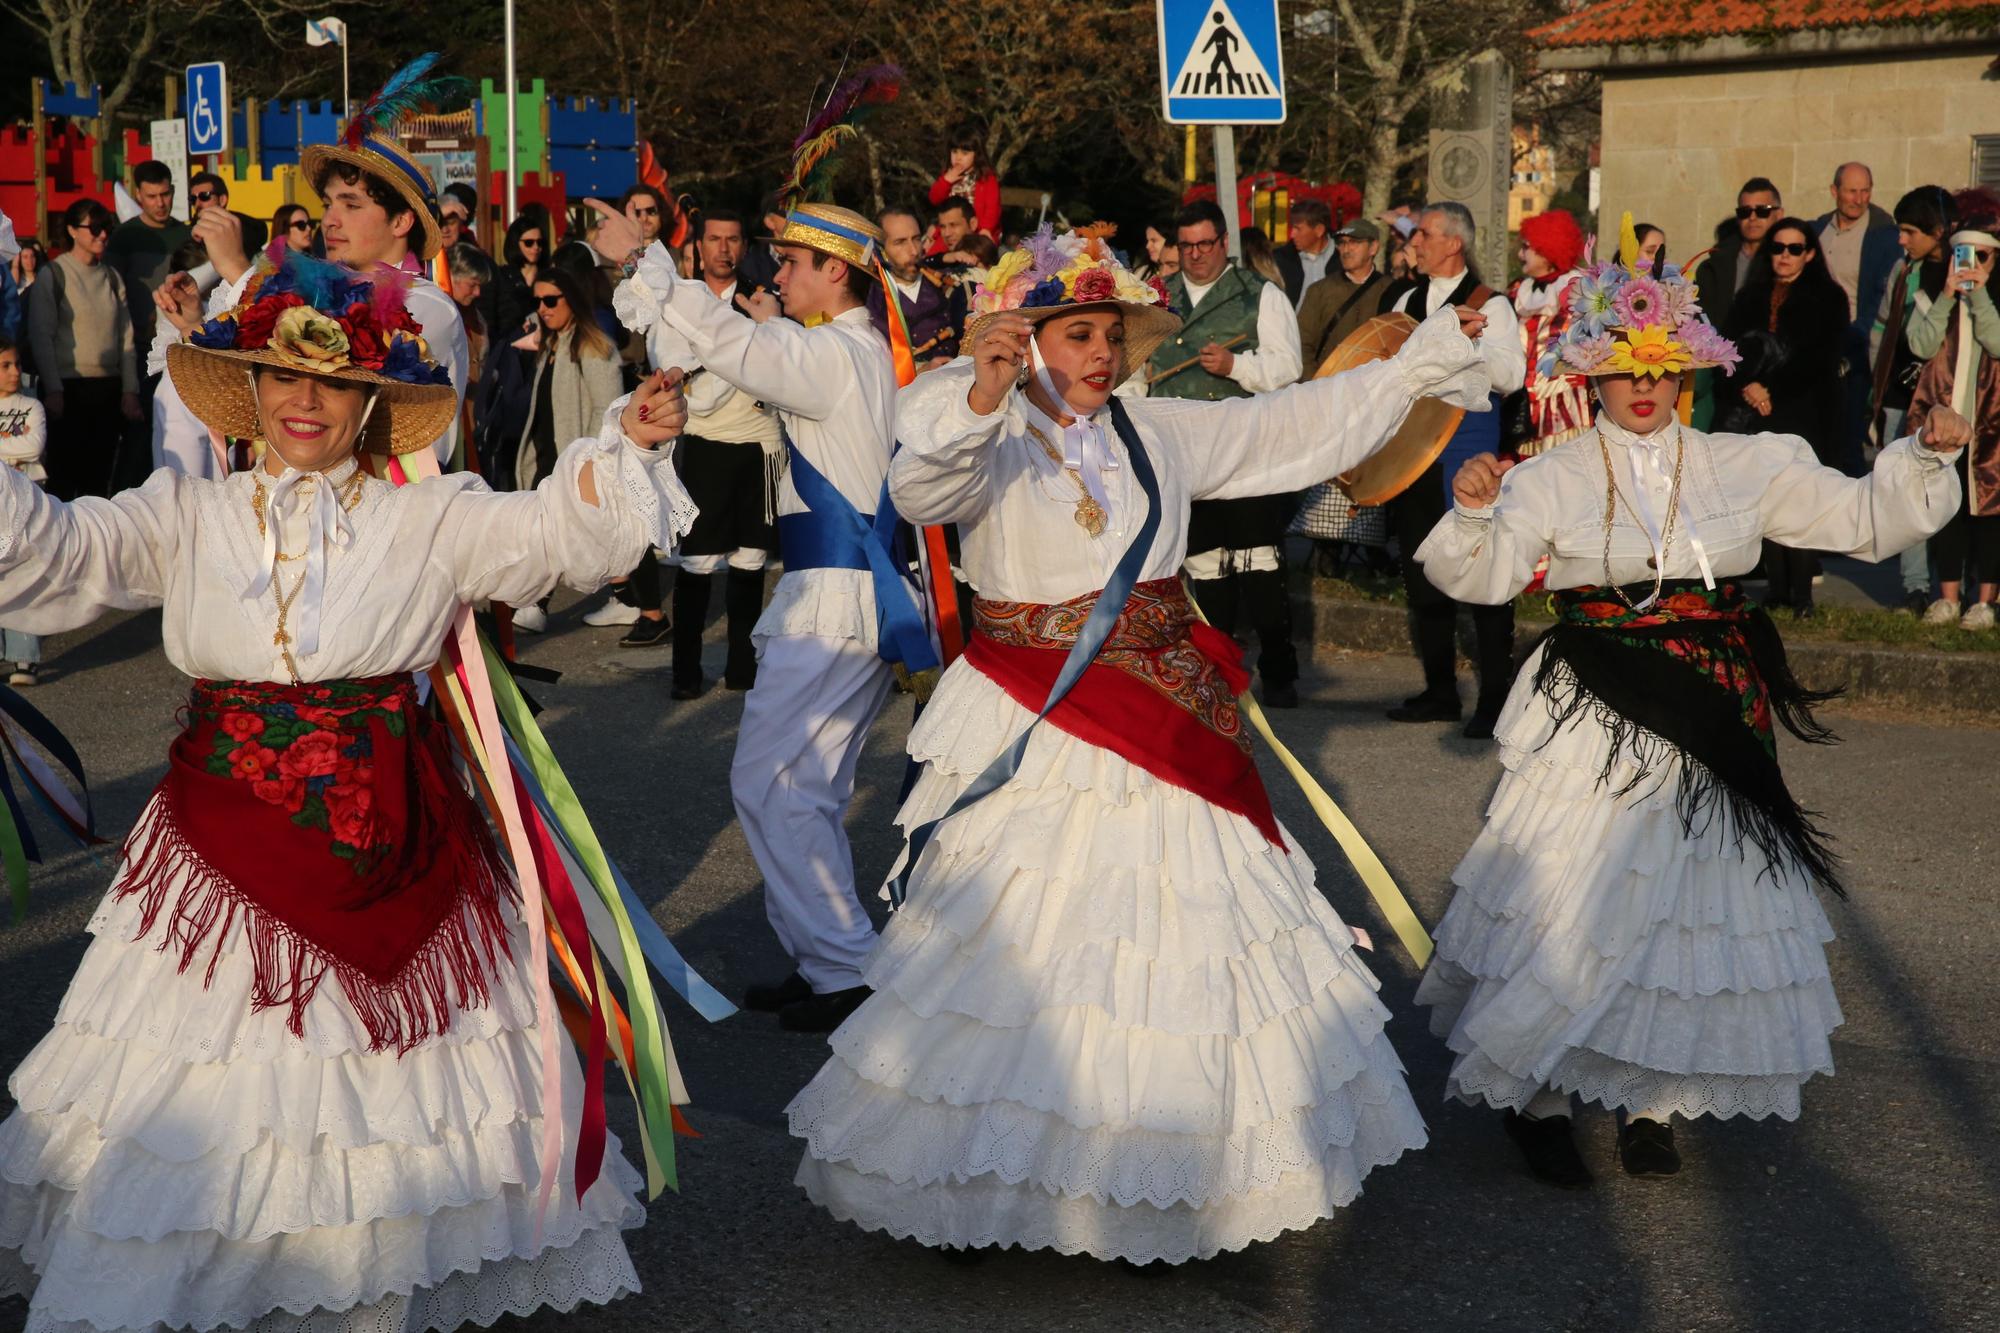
point(1960, 336)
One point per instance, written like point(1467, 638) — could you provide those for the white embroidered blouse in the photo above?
point(1736, 491)
point(392, 581)
point(1016, 507)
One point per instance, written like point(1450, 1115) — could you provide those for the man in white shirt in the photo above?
point(729, 458)
point(1444, 242)
point(381, 210)
point(820, 678)
point(1238, 336)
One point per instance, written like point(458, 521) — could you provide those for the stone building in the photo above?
point(1534, 184)
point(1699, 97)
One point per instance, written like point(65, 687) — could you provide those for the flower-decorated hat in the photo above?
point(368, 144)
point(1629, 320)
point(306, 314)
point(1057, 275)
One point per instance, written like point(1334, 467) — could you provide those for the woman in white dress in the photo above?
point(1113, 1015)
point(1636, 924)
point(296, 1082)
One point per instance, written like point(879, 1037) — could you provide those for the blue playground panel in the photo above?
point(64, 100)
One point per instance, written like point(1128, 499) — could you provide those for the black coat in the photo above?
point(1799, 363)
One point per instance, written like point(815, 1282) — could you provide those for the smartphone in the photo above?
point(1965, 258)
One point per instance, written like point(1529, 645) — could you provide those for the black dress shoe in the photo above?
point(822, 1013)
point(647, 632)
point(769, 999)
point(1549, 1149)
point(1281, 696)
point(685, 690)
point(1480, 727)
point(1646, 1148)
point(1426, 708)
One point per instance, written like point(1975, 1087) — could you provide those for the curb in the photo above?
point(1964, 683)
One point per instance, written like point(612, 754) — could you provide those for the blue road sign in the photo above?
point(208, 108)
point(1221, 62)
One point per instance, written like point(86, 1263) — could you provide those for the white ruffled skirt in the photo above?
point(1110, 1019)
point(1596, 947)
point(176, 1160)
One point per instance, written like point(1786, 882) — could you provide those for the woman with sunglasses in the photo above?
point(1960, 334)
point(295, 225)
point(1788, 321)
point(81, 330)
point(510, 296)
point(574, 381)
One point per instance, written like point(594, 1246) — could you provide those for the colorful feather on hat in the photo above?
point(837, 122)
point(406, 90)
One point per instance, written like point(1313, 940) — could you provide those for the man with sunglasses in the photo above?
point(1759, 207)
point(207, 190)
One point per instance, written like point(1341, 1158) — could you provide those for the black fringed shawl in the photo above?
point(1697, 675)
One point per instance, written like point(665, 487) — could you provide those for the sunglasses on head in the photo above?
point(1755, 211)
point(549, 302)
point(1796, 249)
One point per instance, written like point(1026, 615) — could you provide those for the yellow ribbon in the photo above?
point(1375, 876)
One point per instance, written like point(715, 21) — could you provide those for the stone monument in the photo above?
point(1472, 155)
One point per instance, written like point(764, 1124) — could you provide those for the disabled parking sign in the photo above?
point(1221, 62)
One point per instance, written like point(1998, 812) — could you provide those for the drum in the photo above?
point(1418, 441)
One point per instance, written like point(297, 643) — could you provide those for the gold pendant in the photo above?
point(1090, 516)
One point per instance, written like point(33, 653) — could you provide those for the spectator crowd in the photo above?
point(1853, 324)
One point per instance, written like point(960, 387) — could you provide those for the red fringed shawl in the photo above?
point(327, 817)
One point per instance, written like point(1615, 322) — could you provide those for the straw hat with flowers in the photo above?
point(1059, 275)
point(305, 314)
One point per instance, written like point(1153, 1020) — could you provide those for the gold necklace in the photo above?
point(349, 496)
point(283, 638)
point(1612, 498)
point(1090, 515)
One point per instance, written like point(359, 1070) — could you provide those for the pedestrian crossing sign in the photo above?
point(1221, 63)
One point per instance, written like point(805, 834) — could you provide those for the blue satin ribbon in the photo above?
point(1097, 628)
point(687, 983)
point(844, 535)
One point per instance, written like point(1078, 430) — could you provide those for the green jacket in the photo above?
point(1229, 310)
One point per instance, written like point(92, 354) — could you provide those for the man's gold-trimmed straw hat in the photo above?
point(369, 144)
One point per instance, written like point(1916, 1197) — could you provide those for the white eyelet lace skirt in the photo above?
point(1595, 946)
point(176, 1160)
point(1111, 1019)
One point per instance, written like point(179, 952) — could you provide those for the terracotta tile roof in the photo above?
point(1614, 21)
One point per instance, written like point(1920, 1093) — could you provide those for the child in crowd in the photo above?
point(23, 433)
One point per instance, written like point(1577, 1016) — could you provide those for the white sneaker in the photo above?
point(615, 611)
point(1942, 612)
point(23, 675)
point(1979, 617)
point(531, 619)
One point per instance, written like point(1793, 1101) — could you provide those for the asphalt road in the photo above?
point(1876, 1210)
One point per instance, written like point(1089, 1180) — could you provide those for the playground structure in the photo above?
point(567, 148)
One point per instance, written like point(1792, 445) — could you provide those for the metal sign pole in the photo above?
point(1225, 186)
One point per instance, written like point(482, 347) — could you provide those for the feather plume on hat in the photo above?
point(840, 120)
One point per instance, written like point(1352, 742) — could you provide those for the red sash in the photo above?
point(328, 816)
point(1161, 694)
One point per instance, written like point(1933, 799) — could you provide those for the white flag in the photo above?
point(328, 31)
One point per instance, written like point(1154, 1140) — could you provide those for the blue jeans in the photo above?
point(19, 646)
point(1915, 563)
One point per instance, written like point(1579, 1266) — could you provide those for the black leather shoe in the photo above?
point(1426, 709)
point(822, 1013)
point(683, 690)
point(1480, 727)
point(1281, 696)
point(1646, 1148)
point(769, 998)
point(1549, 1149)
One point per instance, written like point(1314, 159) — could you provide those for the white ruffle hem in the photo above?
point(1110, 1019)
point(177, 1160)
point(1597, 947)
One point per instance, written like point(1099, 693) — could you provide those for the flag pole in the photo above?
point(346, 95)
point(513, 150)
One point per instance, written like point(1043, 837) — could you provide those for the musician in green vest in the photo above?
point(1238, 336)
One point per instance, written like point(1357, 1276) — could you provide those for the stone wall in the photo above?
point(1678, 143)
